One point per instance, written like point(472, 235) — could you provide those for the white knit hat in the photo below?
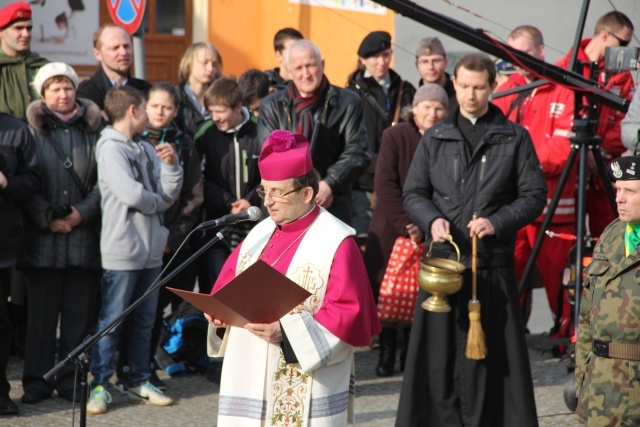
point(53, 69)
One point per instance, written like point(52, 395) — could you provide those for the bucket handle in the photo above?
point(450, 240)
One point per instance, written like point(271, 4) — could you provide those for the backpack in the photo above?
point(183, 341)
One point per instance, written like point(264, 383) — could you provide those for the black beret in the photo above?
point(624, 169)
point(373, 43)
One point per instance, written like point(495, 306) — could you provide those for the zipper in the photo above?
point(245, 171)
point(456, 169)
point(320, 121)
point(286, 110)
point(238, 164)
point(483, 162)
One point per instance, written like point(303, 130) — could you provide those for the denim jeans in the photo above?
point(119, 290)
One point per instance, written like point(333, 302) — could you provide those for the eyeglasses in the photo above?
point(274, 195)
point(621, 42)
point(436, 62)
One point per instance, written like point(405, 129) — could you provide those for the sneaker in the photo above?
point(98, 401)
point(150, 394)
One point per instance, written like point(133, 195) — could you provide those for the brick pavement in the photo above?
point(197, 399)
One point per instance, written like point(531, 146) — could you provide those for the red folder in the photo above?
point(260, 294)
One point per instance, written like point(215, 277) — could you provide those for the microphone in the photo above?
point(251, 214)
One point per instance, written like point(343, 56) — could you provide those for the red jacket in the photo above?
point(547, 113)
point(609, 121)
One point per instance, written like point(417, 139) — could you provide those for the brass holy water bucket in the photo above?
point(440, 277)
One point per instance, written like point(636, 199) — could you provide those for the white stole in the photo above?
point(286, 388)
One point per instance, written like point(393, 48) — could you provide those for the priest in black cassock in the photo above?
point(475, 162)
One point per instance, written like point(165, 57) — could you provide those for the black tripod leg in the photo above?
point(568, 168)
point(580, 229)
point(602, 171)
point(84, 364)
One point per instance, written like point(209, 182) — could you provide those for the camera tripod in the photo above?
point(583, 141)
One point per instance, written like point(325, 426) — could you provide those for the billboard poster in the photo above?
point(63, 29)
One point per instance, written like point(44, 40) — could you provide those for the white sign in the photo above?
point(63, 29)
point(366, 6)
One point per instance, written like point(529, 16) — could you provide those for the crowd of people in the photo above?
point(102, 180)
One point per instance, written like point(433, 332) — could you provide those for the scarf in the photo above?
point(16, 82)
point(631, 238)
point(305, 108)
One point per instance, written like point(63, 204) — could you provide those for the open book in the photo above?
point(260, 294)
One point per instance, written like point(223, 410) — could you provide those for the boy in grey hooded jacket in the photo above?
point(138, 182)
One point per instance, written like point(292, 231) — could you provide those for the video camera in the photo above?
point(618, 59)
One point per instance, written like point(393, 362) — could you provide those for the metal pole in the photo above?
point(139, 66)
point(578, 39)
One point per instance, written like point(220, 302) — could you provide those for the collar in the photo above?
point(246, 116)
point(486, 119)
point(115, 83)
point(194, 100)
point(301, 223)
point(582, 55)
point(67, 117)
point(384, 82)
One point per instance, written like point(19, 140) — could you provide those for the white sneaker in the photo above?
point(98, 401)
point(149, 394)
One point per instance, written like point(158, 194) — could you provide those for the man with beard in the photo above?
point(18, 65)
point(330, 117)
point(113, 50)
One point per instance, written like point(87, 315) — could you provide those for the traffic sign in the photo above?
point(127, 13)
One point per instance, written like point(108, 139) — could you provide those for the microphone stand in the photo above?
point(80, 355)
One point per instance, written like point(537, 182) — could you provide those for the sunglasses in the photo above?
point(621, 42)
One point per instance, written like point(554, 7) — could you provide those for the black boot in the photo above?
point(387, 352)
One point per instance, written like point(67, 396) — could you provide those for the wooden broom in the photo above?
point(476, 346)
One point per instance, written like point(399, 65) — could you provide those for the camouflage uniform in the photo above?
point(608, 388)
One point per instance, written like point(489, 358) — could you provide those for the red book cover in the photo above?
point(260, 294)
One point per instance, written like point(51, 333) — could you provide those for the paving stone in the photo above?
point(196, 399)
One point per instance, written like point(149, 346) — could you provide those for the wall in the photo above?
point(244, 30)
point(556, 19)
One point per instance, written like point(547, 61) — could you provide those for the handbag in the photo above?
point(399, 287)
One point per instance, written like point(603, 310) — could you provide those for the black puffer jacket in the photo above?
point(77, 137)
point(189, 119)
point(370, 91)
point(226, 156)
point(18, 164)
point(501, 180)
point(339, 147)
